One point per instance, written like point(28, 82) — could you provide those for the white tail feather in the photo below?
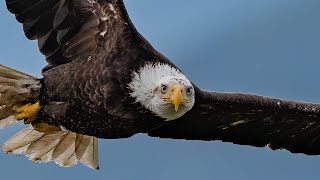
point(7, 121)
point(64, 148)
point(41, 150)
point(21, 139)
point(16, 87)
point(64, 153)
point(90, 155)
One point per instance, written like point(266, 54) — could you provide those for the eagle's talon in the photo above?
point(28, 112)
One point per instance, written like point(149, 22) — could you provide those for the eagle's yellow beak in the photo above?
point(176, 96)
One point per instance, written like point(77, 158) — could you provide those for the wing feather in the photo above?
point(71, 29)
point(249, 120)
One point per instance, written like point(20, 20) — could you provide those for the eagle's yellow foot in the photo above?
point(44, 127)
point(28, 112)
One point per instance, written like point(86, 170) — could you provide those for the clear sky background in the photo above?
point(263, 47)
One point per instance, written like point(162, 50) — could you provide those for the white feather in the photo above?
point(21, 151)
point(82, 143)
point(64, 148)
point(24, 137)
point(7, 121)
point(151, 76)
point(41, 150)
point(90, 157)
point(64, 153)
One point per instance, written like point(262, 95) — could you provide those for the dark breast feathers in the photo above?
point(91, 97)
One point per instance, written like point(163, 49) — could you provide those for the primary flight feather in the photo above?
point(104, 80)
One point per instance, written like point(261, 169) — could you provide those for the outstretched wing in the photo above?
point(67, 30)
point(249, 120)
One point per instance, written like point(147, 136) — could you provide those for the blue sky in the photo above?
point(269, 48)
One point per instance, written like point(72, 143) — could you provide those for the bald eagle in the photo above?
point(104, 80)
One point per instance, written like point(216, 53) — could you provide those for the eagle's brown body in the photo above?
point(91, 95)
point(92, 49)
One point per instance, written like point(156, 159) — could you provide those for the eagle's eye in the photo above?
point(164, 89)
point(189, 91)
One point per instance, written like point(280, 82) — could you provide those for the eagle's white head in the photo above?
point(162, 89)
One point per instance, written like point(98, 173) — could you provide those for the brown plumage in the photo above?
point(92, 50)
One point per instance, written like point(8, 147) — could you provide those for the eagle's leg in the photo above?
point(48, 115)
point(28, 112)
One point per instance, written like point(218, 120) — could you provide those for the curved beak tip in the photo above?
point(176, 107)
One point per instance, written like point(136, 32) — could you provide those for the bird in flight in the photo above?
point(104, 80)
